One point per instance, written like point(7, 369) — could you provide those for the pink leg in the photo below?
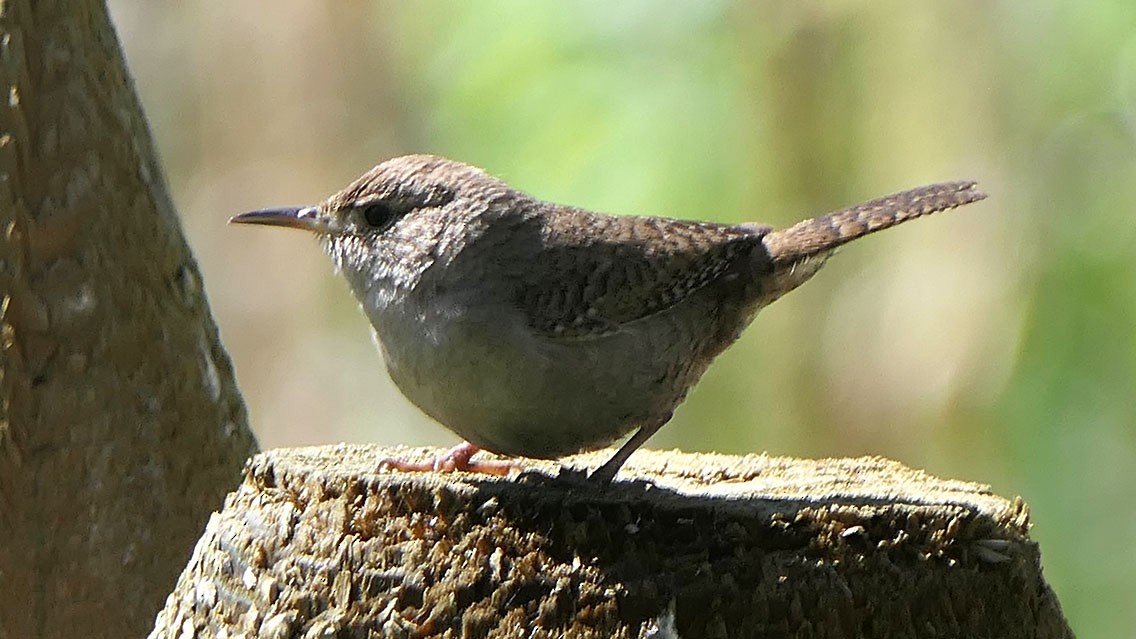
point(456, 459)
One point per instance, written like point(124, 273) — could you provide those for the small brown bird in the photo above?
point(536, 329)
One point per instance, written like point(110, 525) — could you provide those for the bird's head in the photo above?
point(391, 223)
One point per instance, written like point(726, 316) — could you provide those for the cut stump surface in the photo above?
point(317, 543)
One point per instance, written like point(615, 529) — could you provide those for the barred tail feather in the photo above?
point(821, 235)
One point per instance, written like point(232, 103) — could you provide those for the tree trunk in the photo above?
point(316, 544)
point(120, 425)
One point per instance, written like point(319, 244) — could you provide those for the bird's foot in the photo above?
point(456, 459)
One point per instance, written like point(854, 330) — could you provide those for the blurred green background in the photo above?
point(995, 343)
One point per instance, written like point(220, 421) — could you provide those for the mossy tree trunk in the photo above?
point(120, 425)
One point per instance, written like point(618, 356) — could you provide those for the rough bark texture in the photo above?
point(317, 544)
point(120, 425)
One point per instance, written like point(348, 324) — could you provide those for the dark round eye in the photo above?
point(378, 214)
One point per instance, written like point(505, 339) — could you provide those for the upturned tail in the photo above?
point(821, 235)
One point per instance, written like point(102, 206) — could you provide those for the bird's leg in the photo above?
point(453, 460)
point(604, 474)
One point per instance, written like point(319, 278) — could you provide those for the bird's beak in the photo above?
point(306, 218)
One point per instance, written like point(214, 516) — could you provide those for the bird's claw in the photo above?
point(456, 459)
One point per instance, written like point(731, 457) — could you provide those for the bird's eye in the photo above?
point(378, 214)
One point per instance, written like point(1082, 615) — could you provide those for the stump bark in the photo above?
point(316, 543)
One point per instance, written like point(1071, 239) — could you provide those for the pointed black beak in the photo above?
point(306, 218)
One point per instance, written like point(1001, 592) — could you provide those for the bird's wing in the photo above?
point(590, 279)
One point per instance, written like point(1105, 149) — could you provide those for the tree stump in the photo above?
point(317, 543)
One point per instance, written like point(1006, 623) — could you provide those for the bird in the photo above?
point(540, 330)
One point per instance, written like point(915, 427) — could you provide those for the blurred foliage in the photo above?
point(995, 343)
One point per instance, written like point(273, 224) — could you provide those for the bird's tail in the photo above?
point(820, 235)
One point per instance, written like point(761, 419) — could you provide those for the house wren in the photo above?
point(535, 329)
